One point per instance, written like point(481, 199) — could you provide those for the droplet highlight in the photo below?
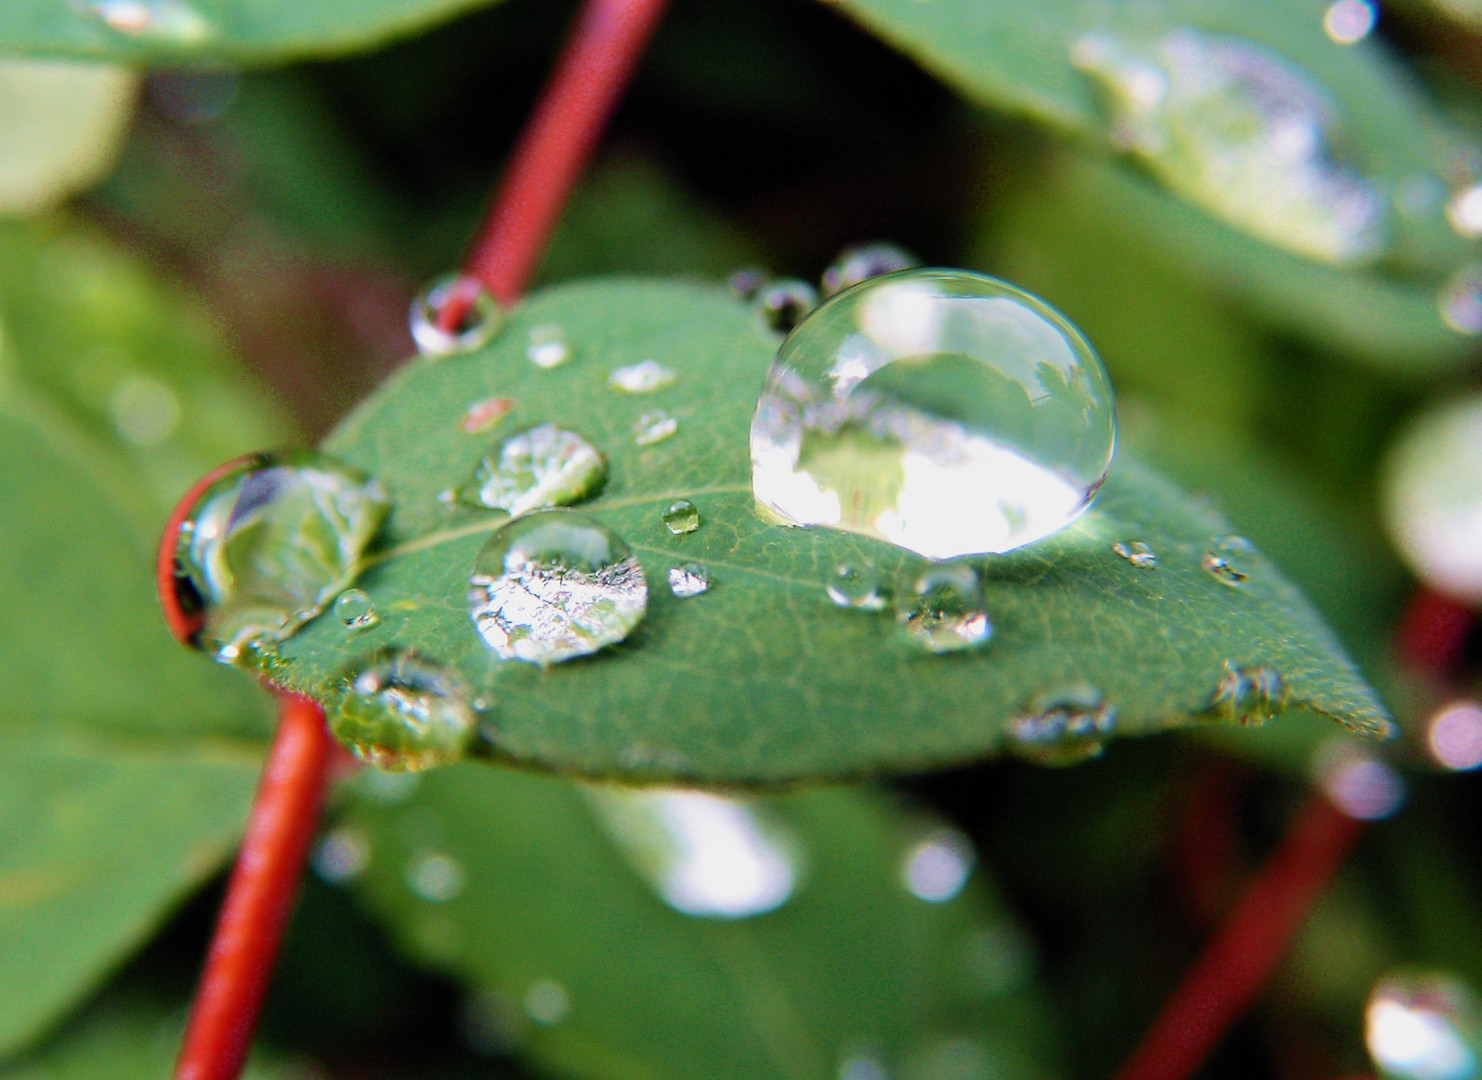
point(654, 427)
point(546, 346)
point(1460, 300)
point(1348, 22)
point(941, 608)
point(937, 866)
point(862, 262)
point(1424, 1025)
point(1064, 727)
point(688, 580)
point(645, 377)
point(168, 21)
point(537, 467)
point(940, 410)
point(354, 609)
point(401, 713)
point(856, 587)
point(1138, 553)
point(1230, 560)
point(453, 315)
point(681, 517)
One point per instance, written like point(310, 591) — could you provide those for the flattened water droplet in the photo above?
point(434, 876)
point(270, 543)
point(1460, 300)
point(353, 607)
point(654, 427)
point(862, 262)
point(937, 866)
point(552, 585)
point(1248, 693)
point(705, 855)
point(1349, 21)
point(644, 377)
point(454, 314)
point(940, 410)
point(403, 714)
point(941, 608)
point(169, 21)
point(1064, 727)
point(547, 346)
point(1138, 553)
point(482, 416)
point(1243, 132)
point(681, 517)
point(1424, 1025)
point(856, 587)
point(1231, 559)
point(690, 579)
point(537, 467)
point(785, 302)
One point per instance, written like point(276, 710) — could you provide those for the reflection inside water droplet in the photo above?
point(940, 608)
point(1230, 559)
point(353, 608)
point(1064, 727)
point(547, 347)
point(654, 427)
point(1424, 1026)
point(553, 585)
point(454, 314)
point(538, 467)
point(483, 415)
point(681, 517)
point(937, 866)
point(1138, 553)
point(704, 854)
point(690, 579)
point(403, 714)
point(856, 587)
point(1248, 694)
point(644, 377)
point(862, 262)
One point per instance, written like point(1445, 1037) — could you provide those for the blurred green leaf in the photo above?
point(570, 956)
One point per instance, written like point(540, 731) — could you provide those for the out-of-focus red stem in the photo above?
point(1247, 947)
point(599, 56)
point(259, 896)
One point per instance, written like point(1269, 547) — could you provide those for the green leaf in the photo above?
point(762, 679)
point(573, 957)
point(239, 31)
point(96, 840)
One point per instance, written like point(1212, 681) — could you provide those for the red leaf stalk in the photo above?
point(1245, 950)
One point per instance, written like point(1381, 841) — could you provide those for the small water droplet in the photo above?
point(353, 608)
point(1460, 300)
point(937, 866)
point(862, 262)
point(454, 314)
point(1138, 553)
point(940, 410)
point(856, 587)
point(1349, 21)
point(547, 347)
point(552, 585)
point(785, 302)
point(1231, 559)
point(941, 608)
point(145, 411)
point(644, 377)
point(1064, 727)
point(547, 1002)
point(681, 517)
point(169, 21)
point(342, 855)
point(434, 877)
point(1453, 734)
point(483, 415)
point(1358, 782)
point(1243, 132)
point(403, 714)
point(270, 543)
point(537, 467)
point(690, 579)
point(1248, 693)
point(654, 427)
point(1424, 1025)
point(746, 282)
point(705, 855)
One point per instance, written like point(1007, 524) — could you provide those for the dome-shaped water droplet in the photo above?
point(688, 579)
point(270, 543)
point(785, 302)
point(654, 427)
point(1424, 1025)
point(540, 466)
point(547, 347)
point(454, 314)
point(1460, 300)
point(1432, 487)
point(168, 21)
point(1230, 559)
point(937, 866)
point(552, 585)
point(705, 855)
point(856, 587)
point(1243, 132)
point(941, 410)
point(483, 415)
point(941, 608)
point(681, 517)
point(1138, 553)
point(1248, 693)
point(1063, 727)
point(862, 262)
point(644, 377)
point(403, 714)
point(353, 607)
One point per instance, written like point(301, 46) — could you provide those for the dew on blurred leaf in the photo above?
point(1424, 1026)
point(1464, 211)
point(785, 302)
point(434, 876)
point(1138, 553)
point(1230, 559)
point(1249, 694)
point(342, 855)
point(547, 1002)
point(1460, 300)
point(1349, 21)
point(862, 262)
point(940, 608)
point(483, 415)
point(145, 411)
point(681, 516)
point(654, 427)
point(644, 377)
point(937, 866)
point(1359, 783)
point(746, 282)
point(1453, 734)
point(547, 347)
point(454, 314)
point(167, 21)
point(689, 580)
point(1063, 727)
point(856, 586)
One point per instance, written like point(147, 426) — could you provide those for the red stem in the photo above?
point(1247, 947)
point(604, 45)
point(259, 896)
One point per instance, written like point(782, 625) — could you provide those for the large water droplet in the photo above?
point(454, 314)
point(654, 427)
point(681, 517)
point(547, 347)
point(553, 585)
point(941, 608)
point(1432, 486)
point(704, 854)
point(1064, 727)
point(785, 302)
point(1248, 693)
point(1138, 553)
point(644, 377)
point(941, 410)
point(937, 866)
point(862, 262)
point(1231, 559)
point(856, 587)
point(403, 714)
point(1243, 132)
point(270, 543)
point(353, 607)
point(1424, 1026)
point(688, 579)
point(171, 21)
point(538, 467)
